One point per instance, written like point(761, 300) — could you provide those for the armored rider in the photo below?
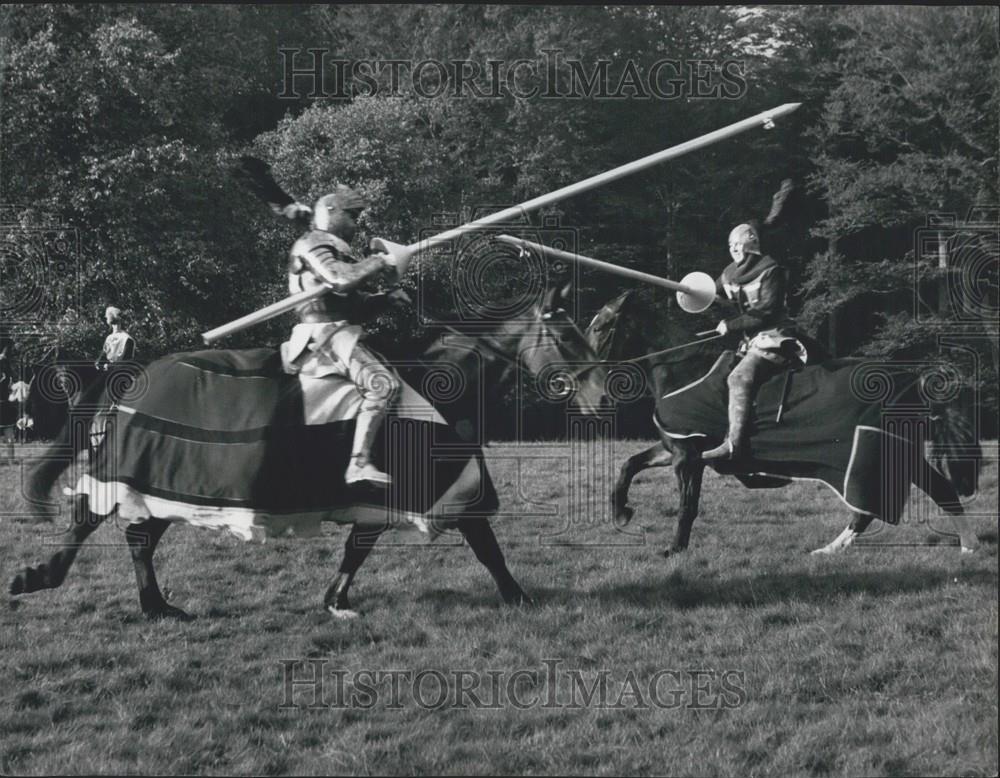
point(771, 342)
point(119, 345)
point(325, 342)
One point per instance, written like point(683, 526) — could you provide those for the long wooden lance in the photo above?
point(695, 292)
point(401, 255)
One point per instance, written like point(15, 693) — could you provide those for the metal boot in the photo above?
point(360, 467)
point(739, 416)
point(742, 383)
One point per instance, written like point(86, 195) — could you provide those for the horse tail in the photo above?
point(955, 449)
point(65, 447)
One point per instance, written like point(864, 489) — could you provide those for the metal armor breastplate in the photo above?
point(321, 248)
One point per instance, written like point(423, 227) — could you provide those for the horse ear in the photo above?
point(566, 292)
point(602, 330)
point(550, 301)
point(557, 296)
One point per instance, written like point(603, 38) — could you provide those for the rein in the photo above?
point(513, 363)
point(660, 352)
point(482, 339)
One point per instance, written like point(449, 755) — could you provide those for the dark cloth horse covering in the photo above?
point(220, 439)
point(847, 423)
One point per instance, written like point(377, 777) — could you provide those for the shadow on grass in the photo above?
point(676, 590)
point(442, 599)
point(989, 536)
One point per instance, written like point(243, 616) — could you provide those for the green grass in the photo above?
point(882, 661)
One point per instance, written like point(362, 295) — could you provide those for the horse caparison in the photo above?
point(949, 472)
point(550, 338)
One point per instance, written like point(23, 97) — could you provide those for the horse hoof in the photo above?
point(518, 599)
point(34, 579)
point(821, 552)
point(624, 516)
point(342, 613)
point(167, 612)
point(968, 550)
point(17, 586)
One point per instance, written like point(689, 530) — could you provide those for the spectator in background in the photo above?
point(119, 345)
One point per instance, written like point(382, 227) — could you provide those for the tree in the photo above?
point(120, 123)
point(909, 134)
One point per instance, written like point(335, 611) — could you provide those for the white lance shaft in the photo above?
point(608, 267)
point(763, 119)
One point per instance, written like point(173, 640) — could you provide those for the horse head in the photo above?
point(557, 354)
point(50, 390)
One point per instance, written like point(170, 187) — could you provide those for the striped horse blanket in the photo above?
point(228, 440)
point(855, 426)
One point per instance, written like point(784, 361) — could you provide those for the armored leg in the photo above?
point(378, 386)
point(743, 383)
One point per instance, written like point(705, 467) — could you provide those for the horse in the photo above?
point(858, 426)
point(458, 372)
point(52, 388)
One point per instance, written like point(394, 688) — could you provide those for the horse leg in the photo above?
point(941, 490)
point(689, 470)
point(479, 535)
point(51, 574)
point(657, 456)
point(859, 523)
point(142, 540)
point(356, 550)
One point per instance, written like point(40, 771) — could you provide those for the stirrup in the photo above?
point(360, 469)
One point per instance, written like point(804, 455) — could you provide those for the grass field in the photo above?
point(743, 656)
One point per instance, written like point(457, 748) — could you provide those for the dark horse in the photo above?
point(478, 366)
point(52, 389)
point(835, 426)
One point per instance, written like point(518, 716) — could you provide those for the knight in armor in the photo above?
point(119, 345)
point(770, 340)
point(325, 342)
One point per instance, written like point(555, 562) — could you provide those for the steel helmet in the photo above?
point(330, 210)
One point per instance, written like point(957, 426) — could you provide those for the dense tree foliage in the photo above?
point(120, 125)
point(906, 162)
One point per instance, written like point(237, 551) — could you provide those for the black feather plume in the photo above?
point(256, 174)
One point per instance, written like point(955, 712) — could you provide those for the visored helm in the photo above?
point(743, 240)
point(337, 212)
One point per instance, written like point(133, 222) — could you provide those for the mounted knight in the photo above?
point(770, 340)
point(325, 344)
